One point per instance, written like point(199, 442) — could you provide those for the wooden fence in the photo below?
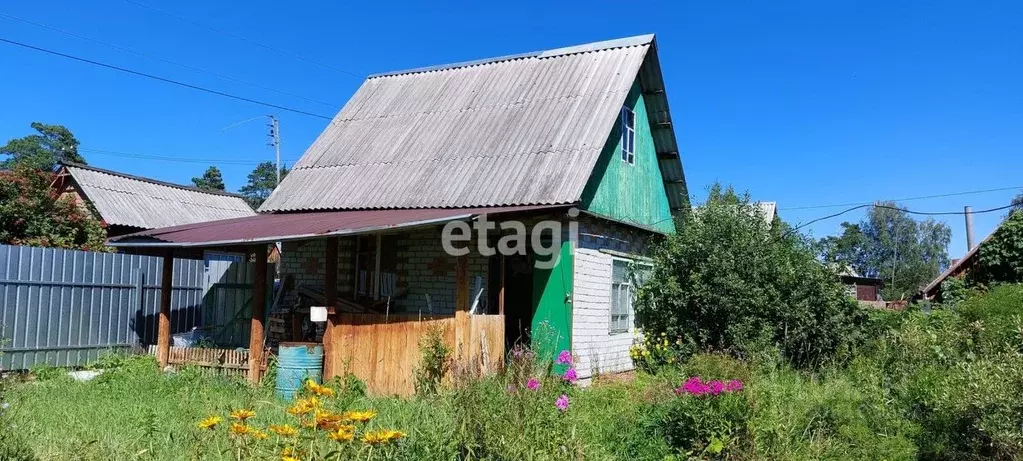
point(383, 351)
point(231, 362)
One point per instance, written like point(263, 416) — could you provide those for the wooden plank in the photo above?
point(259, 283)
point(163, 338)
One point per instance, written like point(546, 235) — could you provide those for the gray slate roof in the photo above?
point(128, 200)
point(516, 130)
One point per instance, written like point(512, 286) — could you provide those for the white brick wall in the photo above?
point(597, 350)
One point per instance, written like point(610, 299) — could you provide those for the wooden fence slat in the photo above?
point(383, 350)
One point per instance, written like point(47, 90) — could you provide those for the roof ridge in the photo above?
point(150, 180)
point(188, 202)
point(624, 42)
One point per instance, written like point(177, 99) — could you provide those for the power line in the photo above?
point(168, 61)
point(171, 159)
point(162, 79)
point(924, 213)
point(239, 37)
point(952, 194)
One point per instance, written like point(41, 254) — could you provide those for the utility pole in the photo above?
point(275, 142)
point(968, 211)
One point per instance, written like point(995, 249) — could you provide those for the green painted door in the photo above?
point(552, 319)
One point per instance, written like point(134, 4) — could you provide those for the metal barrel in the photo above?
point(296, 362)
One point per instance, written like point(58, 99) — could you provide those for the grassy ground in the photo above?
point(136, 412)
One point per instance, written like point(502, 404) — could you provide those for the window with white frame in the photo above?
point(628, 121)
point(625, 278)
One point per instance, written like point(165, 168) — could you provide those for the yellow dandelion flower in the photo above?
point(282, 430)
point(242, 414)
point(394, 435)
point(360, 416)
point(259, 435)
point(375, 437)
point(319, 390)
point(344, 433)
point(209, 423)
point(239, 429)
point(304, 406)
point(327, 420)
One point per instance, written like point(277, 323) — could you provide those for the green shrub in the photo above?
point(434, 362)
point(726, 281)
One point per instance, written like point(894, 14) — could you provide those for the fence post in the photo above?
point(462, 330)
point(166, 289)
point(330, 299)
point(258, 314)
point(140, 300)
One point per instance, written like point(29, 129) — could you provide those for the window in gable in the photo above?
point(628, 121)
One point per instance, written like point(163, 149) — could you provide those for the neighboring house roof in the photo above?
point(516, 130)
point(126, 200)
point(768, 210)
point(957, 267)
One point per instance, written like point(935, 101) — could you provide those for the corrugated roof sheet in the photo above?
point(140, 202)
point(276, 227)
point(517, 130)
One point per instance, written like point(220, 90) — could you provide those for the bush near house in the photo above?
point(728, 281)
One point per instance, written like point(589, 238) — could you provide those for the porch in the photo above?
point(384, 288)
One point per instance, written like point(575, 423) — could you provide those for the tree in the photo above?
point(32, 213)
point(210, 180)
point(1017, 203)
point(891, 245)
point(727, 282)
point(262, 182)
point(42, 151)
point(1000, 258)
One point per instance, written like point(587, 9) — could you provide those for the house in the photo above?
point(130, 203)
point(866, 289)
point(970, 262)
point(573, 146)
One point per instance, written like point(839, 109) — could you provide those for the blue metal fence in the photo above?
point(65, 307)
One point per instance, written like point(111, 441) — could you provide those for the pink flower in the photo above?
point(695, 386)
point(571, 376)
point(533, 384)
point(562, 403)
point(564, 358)
point(733, 386)
point(716, 387)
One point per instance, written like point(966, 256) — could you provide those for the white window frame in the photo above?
point(616, 325)
point(627, 119)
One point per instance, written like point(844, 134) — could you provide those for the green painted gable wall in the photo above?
point(632, 194)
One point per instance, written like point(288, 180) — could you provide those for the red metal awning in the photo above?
point(266, 228)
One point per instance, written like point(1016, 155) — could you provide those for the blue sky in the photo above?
point(804, 103)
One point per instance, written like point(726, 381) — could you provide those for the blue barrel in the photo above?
point(297, 362)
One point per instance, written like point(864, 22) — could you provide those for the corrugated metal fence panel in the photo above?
point(65, 307)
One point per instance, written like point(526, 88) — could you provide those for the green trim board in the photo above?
point(552, 301)
point(633, 194)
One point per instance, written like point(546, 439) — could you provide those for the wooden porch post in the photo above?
point(163, 327)
point(258, 312)
point(330, 297)
point(462, 307)
point(500, 288)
